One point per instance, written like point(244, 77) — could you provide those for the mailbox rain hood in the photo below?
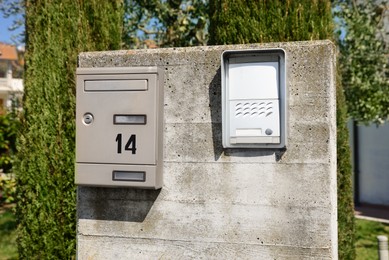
point(253, 99)
point(119, 122)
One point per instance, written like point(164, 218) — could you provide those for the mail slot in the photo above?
point(119, 124)
point(115, 85)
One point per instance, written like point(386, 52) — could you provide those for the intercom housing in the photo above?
point(254, 98)
point(119, 127)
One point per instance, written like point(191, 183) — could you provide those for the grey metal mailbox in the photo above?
point(119, 126)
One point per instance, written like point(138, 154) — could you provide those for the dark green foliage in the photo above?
point(245, 21)
point(346, 222)
point(9, 125)
point(268, 21)
point(46, 203)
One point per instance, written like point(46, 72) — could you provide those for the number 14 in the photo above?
point(130, 145)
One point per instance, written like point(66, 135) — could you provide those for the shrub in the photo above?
point(9, 125)
point(7, 188)
point(57, 31)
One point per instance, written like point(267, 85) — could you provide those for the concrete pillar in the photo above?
point(383, 248)
point(224, 203)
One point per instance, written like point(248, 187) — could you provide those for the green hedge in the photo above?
point(250, 21)
point(46, 195)
point(257, 21)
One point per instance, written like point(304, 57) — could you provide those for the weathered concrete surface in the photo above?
point(224, 203)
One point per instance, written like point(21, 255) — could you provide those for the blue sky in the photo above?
point(5, 34)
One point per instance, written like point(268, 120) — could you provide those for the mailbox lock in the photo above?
point(88, 118)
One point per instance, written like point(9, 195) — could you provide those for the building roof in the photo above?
point(8, 52)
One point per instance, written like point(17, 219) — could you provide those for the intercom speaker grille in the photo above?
point(254, 109)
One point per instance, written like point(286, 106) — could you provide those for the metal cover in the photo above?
point(254, 98)
point(119, 117)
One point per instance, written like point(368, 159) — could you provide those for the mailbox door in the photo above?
point(124, 124)
point(119, 123)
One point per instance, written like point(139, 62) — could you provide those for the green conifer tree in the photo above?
point(57, 31)
point(258, 21)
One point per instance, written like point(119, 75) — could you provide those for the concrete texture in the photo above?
point(224, 203)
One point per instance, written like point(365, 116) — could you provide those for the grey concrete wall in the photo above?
point(224, 203)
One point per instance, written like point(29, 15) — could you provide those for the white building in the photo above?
point(10, 73)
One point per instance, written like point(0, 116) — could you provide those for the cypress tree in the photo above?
point(243, 21)
point(46, 202)
point(258, 21)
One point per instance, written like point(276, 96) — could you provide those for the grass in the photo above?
point(366, 243)
point(8, 247)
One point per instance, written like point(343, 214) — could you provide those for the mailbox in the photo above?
point(119, 124)
point(253, 99)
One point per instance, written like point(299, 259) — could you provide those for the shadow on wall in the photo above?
point(215, 105)
point(118, 204)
